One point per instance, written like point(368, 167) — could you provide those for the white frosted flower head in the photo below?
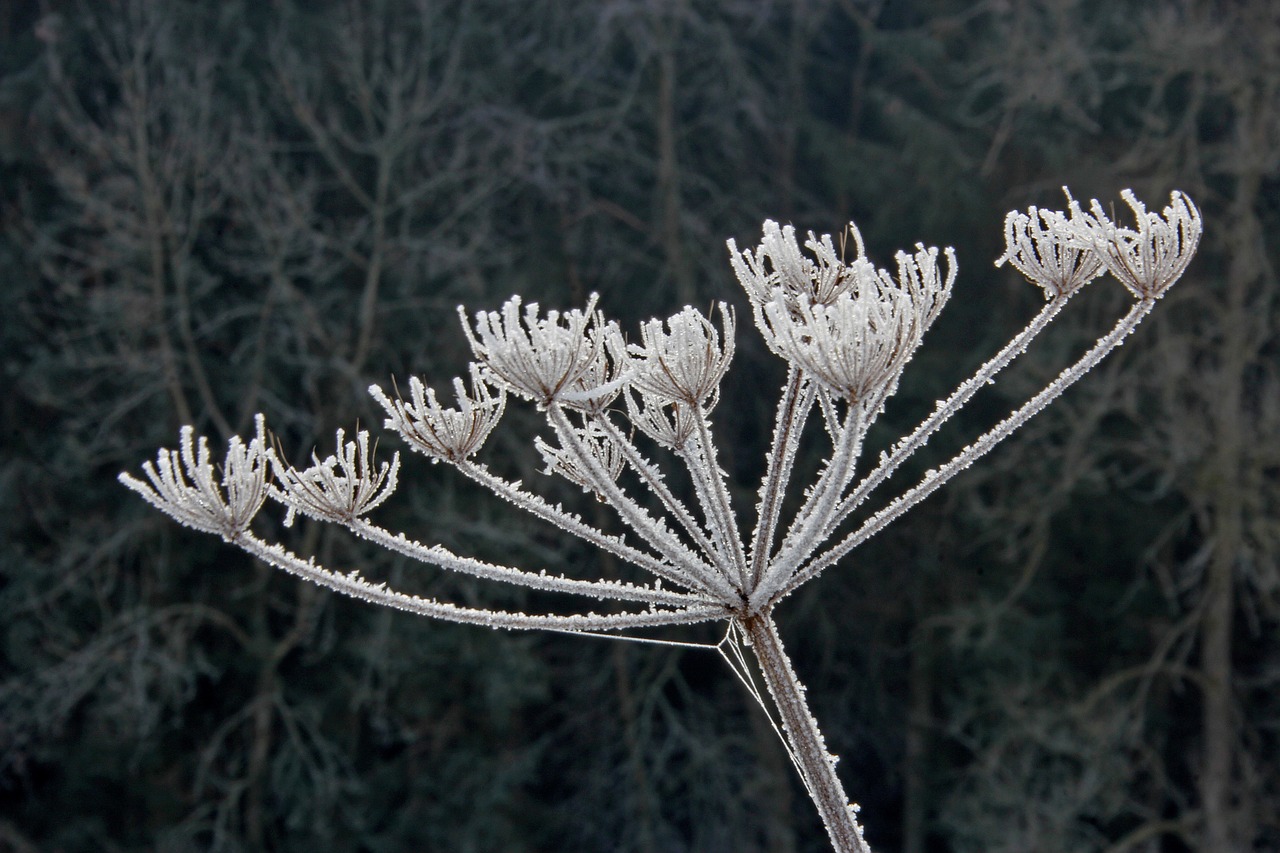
point(449, 434)
point(778, 266)
point(544, 359)
point(1042, 245)
point(858, 346)
point(604, 377)
point(682, 359)
point(598, 445)
point(671, 425)
point(340, 488)
point(185, 485)
point(1150, 259)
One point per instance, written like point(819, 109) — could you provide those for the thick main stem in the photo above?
point(816, 765)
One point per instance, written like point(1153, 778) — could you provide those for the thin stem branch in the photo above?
point(935, 479)
point(357, 587)
point(652, 478)
point(653, 531)
point(815, 516)
point(439, 556)
point(809, 749)
point(540, 508)
point(797, 398)
point(718, 509)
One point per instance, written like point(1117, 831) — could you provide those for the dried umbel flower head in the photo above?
point(683, 359)
point(599, 384)
point(1044, 247)
point(543, 359)
point(671, 425)
point(847, 331)
point(185, 485)
point(449, 434)
point(858, 344)
point(604, 453)
point(340, 488)
point(777, 267)
point(1147, 260)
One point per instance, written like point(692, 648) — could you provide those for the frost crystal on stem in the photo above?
point(846, 330)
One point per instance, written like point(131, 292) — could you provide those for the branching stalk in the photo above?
point(847, 331)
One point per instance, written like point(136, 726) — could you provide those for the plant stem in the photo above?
point(809, 750)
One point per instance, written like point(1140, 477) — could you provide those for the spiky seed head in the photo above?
point(544, 359)
point(858, 345)
point(184, 484)
point(601, 449)
point(779, 267)
point(671, 425)
point(1042, 245)
point(682, 359)
point(604, 377)
point(1151, 258)
point(340, 488)
point(449, 434)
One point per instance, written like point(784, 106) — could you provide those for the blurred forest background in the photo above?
point(212, 209)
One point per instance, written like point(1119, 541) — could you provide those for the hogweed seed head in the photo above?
point(1042, 245)
point(601, 448)
point(341, 488)
point(858, 344)
point(683, 359)
point(1150, 259)
point(778, 266)
point(541, 359)
point(604, 377)
point(451, 434)
point(671, 425)
point(185, 485)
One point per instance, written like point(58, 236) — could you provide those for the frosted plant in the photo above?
point(846, 331)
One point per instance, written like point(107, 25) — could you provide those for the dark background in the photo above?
point(214, 209)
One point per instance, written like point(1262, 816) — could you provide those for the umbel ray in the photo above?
point(846, 331)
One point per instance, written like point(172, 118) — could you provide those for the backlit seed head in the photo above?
point(1042, 245)
point(684, 358)
point(451, 434)
point(1151, 258)
point(543, 359)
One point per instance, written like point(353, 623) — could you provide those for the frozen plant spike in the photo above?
point(341, 488)
point(858, 345)
point(1147, 260)
point(604, 377)
point(846, 328)
point(603, 450)
point(184, 484)
point(778, 267)
point(671, 425)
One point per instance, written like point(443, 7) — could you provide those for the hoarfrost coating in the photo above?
point(846, 330)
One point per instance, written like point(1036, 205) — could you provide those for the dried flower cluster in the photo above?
point(846, 331)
